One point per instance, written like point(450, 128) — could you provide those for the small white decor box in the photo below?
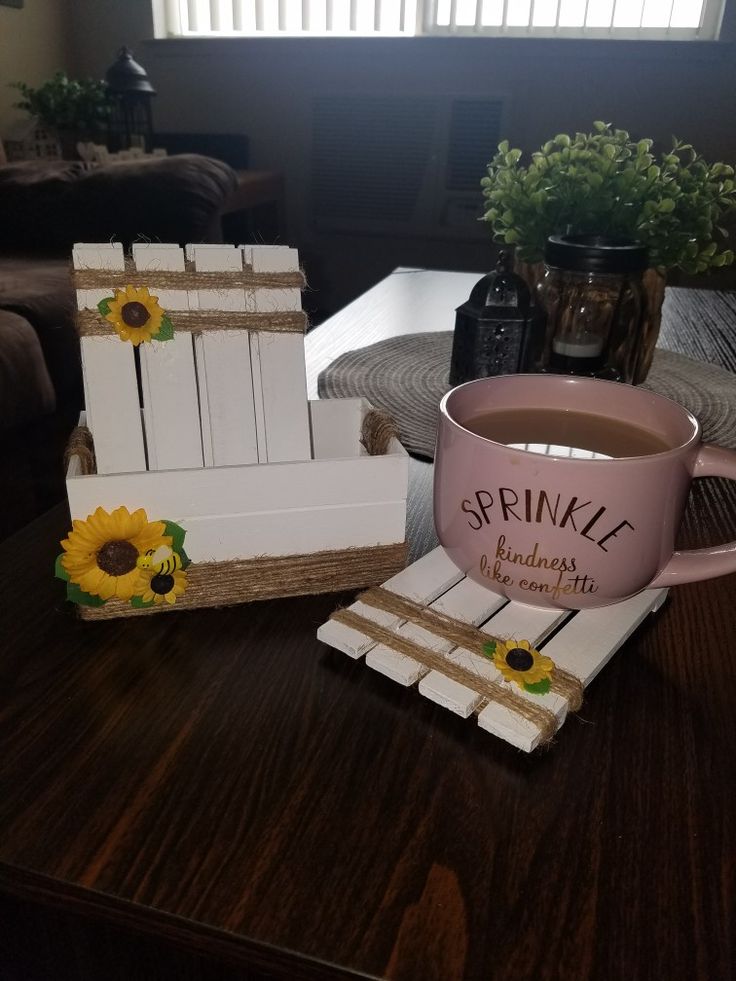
point(201, 475)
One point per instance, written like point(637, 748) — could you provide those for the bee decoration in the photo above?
point(163, 561)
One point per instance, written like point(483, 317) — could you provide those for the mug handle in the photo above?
point(692, 565)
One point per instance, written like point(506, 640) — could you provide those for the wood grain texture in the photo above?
point(224, 797)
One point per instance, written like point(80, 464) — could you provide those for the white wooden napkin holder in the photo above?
point(213, 430)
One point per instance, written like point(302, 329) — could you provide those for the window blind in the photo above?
point(655, 19)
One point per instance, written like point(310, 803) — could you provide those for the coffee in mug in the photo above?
point(568, 492)
point(565, 432)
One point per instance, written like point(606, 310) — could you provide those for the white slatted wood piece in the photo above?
point(271, 258)
point(153, 257)
point(110, 257)
point(283, 394)
point(283, 386)
point(469, 601)
point(219, 538)
point(104, 255)
point(170, 403)
point(510, 726)
point(423, 585)
point(515, 620)
point(110, 382)
point(422, 582)
point(224, 370)
point(582, 645)
point(334, 424)
point(504, 620)
point(465, 601)
point(427, 578)
point(398, 667)
point(226, 397)
point(592, 637)
point(258, 407)
point(207, 491)
point(218, 258)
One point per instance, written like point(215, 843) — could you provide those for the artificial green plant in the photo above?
point(605, 183)
point(66, 104)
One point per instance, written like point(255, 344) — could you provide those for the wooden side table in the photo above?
point(256, 207)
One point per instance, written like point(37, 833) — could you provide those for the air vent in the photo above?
point(475, 132)
point(401, 165)
point(370, 157)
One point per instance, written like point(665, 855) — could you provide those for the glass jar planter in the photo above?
point(598, 292)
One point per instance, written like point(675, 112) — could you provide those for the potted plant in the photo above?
point(605, 183)
point(73, 109)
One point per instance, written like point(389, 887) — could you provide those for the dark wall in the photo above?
point(265, 88)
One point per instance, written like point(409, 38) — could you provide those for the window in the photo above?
point(625, 19)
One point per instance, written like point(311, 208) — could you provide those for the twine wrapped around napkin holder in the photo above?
point(377, 472)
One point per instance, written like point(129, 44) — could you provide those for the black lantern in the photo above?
point(131, 93)
point(492, 327)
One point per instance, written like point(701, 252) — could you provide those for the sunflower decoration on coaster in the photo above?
point(123, 556)
point(136, 315)
point(521, 664)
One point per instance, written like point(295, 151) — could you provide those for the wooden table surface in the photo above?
point(215, 795)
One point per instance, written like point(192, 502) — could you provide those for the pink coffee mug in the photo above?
point(571, 533)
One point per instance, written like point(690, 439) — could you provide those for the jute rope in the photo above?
point(80, 444)
point(490, 691)
point(90, 323)
point(265, 577)
point(244, 580)
point(189, 279)
point(461, 634)
point(377, 431)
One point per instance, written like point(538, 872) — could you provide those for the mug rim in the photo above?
point(575, 380)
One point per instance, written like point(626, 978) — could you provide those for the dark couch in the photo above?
point(45, 207)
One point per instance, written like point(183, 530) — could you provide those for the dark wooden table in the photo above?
point(215, 795)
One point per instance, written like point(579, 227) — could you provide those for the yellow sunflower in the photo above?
point(161, 587)
point(519, 662)
point(135, 314)
point(101, 552)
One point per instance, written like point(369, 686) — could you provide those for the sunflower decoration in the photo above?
point(136, 315)
point(107, 556)
point(521, 663)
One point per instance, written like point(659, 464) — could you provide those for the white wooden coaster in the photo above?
point(582, 643)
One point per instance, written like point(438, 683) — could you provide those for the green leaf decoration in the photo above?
point(59, 570)
point(78, 596)
point(137, 602)
point(185, 560)
point(104, 305)
point(177, 534)
point(165, 331)
point(539, 687)
point(607, 182)
point(489, 649)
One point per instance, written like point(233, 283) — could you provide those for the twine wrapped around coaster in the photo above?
point(490, 691)
point(189, 279)
point(90, 323)
point(81, 445)
point(267, 577)
point(461, 634)
point(377, 431)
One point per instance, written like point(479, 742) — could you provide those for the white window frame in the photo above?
point(226, 18)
